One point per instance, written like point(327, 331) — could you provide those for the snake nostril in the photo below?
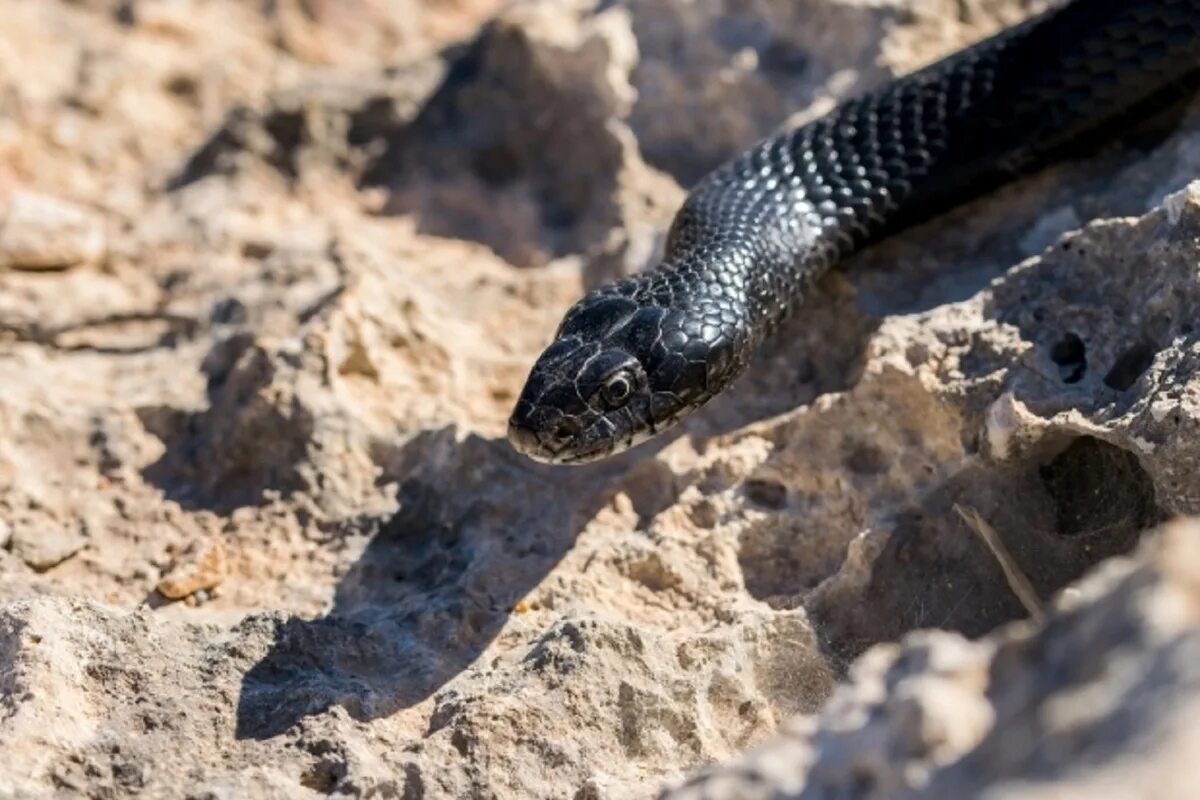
point(563, 431)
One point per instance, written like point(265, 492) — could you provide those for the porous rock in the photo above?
point(340, 233)
point(1097, 700)
point(199, 568)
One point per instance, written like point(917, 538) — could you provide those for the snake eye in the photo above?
point(618, 388)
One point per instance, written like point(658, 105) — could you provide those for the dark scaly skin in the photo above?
point(634, 357)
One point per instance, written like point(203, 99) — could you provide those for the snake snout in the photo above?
point(541, 433)
point(523, 440)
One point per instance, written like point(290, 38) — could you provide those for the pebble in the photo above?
point(40, 232)
point(42, 548)
point(199, 568)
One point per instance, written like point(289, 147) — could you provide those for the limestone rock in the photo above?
point(200, 567)
point(338, 234)
point(1094, 701)
point(41, 232)
point(45, 547)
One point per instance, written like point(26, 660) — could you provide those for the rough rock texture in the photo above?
point(282, 268)
point(1097, 701)
point(45, 233)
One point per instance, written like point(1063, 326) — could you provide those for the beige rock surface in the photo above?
point(40, 232)
point(260, 533)
point(1098, 701)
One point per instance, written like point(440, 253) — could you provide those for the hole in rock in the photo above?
point(324, 776)
point(1062, 511)
point(1070, 354)
point(1099, 490)
point(1130, 365)
point(766, 493)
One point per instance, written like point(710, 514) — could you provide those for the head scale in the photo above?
point(618, 373)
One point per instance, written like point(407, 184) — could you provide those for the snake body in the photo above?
point(634, 357)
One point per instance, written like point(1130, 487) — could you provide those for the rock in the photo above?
point(68, 665)
point(45, 547)
point(525, 146)
point(328, 123)
point(338, 234)
point(938, 715)
point(42, 232)
point(5, 534)
point(201, 566)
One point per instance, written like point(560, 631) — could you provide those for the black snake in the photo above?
point(634, 357)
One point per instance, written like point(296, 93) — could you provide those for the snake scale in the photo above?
point(636, 356)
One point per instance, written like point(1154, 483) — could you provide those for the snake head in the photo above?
point(613, 378)
point(581, 403)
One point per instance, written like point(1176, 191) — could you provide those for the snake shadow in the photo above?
point(476, 529)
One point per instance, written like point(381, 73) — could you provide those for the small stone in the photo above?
point(42, 232)
point(200, 567)
point(43, 548)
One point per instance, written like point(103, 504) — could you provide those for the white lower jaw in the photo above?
point(638, 438)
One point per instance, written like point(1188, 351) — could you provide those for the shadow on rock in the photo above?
point(253, 437)
point(514, 150)
point(478, 527)
point(1064, 508)
point(820, 350)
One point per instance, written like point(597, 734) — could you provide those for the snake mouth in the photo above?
point(526, 441)
point(530, 443)
point(580, 457)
